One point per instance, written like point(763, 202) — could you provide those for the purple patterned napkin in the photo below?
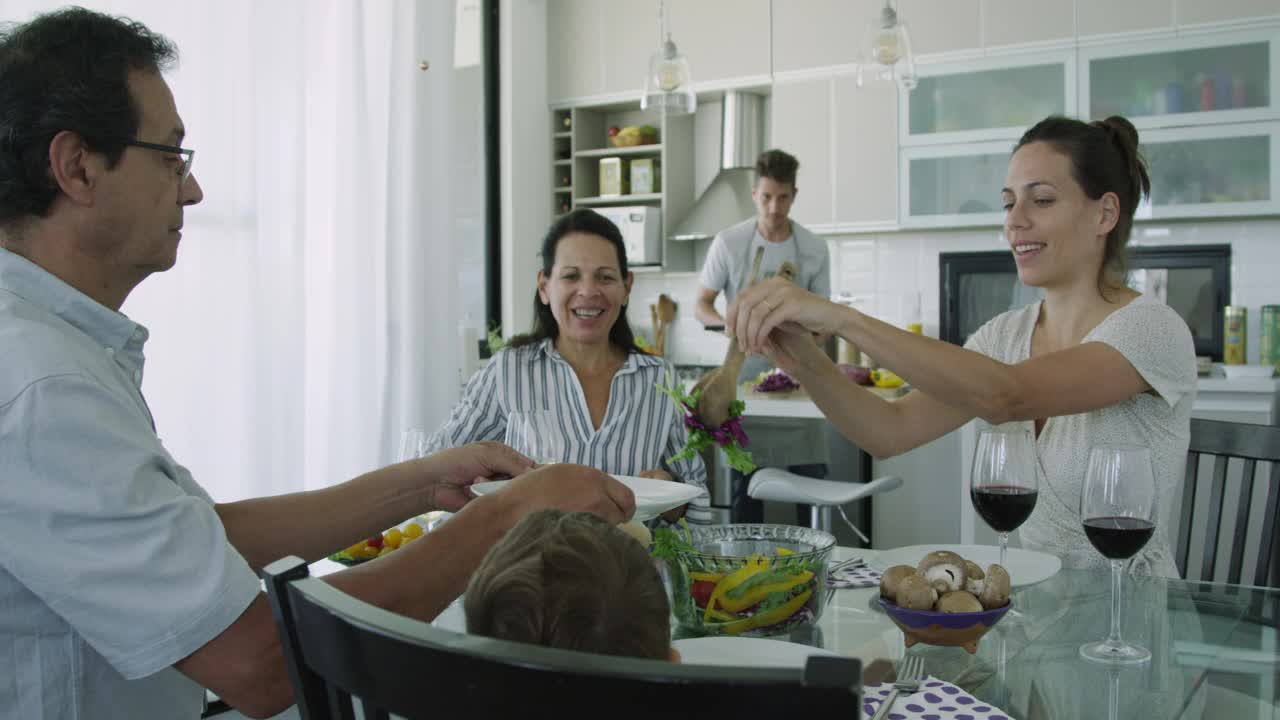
point(854, 575)
point(936, 700)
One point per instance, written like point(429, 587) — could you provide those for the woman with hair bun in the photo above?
point(1092, 362)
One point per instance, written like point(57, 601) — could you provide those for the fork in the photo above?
point(908, 682)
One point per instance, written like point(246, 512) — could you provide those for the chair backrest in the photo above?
point(1246, 445)
point(341, 652)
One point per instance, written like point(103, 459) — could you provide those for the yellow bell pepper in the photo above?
point(768, 617)
point(784, 551)
point(722, 616)
point(696, 576)
point(885, 379)
point(760, 592)
point(755, 564)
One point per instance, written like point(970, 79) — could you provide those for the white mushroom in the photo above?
point(995, 592)
point(958, 602)
point(915, 594)
point(890, 580)
point(974, 577)
point(943, 570)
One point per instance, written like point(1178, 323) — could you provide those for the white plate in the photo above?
point(745, 652)
point(1026, 567)
point(653, 497)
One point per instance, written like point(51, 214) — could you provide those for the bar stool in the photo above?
point(820, 495)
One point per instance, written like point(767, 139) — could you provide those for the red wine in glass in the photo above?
point(1118, 538)
point(1003, 485)
point(1004, 507)
point(1118, 511)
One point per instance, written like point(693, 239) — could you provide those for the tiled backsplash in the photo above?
point(887, 275)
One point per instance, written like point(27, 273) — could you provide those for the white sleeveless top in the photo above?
point(1157, 342)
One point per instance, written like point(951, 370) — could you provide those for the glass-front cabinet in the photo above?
point(1212, 170)
point(1212, 78)
point(987, 99)
point(953, 185)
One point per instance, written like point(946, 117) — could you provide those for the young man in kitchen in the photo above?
point(785, 242)
point(126, 589)
point(789, 248)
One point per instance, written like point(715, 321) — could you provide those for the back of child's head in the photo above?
point(571, 581)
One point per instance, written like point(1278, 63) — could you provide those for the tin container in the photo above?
point(1235, 319)
point(1269, 334)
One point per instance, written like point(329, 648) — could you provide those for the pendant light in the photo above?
point(668, 86)
point(888, 50)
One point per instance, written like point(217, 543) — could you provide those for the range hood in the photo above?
point(727, 200)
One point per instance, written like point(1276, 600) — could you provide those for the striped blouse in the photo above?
point(642, 427)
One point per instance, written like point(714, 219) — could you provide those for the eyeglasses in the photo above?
point(188, 156)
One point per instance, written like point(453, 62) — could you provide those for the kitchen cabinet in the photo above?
point(816, 33)
point(575, 49)
point(986, 99)
point(1199, 80)
point(629, 34)
point(723, 39)
point(1015, 22)
point(1104, 17)
point(1210, 170)
point(580, 140)
point(865, 179)
point(952, 185)
point(801, 124)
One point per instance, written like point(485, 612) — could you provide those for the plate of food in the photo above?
point(1025, 567)
point(653, 497)
point(382, 543)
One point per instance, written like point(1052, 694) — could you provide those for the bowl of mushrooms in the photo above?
point(945, 599)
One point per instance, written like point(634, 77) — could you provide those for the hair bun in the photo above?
point(1122, 130)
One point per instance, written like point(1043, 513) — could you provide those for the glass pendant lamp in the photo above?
point(668, 86)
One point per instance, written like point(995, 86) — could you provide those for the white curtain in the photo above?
point(314, 312)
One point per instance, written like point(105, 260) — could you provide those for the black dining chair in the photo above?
point(1232, 445)
point(342, 652)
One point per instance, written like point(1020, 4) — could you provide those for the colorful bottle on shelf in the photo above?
point(1269, 336)
point(1238, 96)
point(1173, 98)
point(1234, 332)
point(1205, 83)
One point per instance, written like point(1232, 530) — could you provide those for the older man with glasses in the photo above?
point(124, 589)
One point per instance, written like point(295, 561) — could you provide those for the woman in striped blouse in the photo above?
point(581, 363)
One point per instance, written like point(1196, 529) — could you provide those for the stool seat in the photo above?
point(782, 486)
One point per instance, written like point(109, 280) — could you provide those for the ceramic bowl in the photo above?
point(1236, 372)
point(789, 591)
point(948, 629)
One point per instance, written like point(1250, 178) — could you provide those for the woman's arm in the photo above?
point(1075, 380)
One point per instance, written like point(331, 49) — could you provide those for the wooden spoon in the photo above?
point(666, 315)
point(720, 386)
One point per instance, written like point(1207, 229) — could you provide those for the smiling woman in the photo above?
point(581, 362)
point(1093, 362)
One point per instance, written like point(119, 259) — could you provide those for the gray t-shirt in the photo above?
point(728, 264)
point(1156, 341)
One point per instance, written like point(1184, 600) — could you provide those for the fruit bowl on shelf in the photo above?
point(633, 135)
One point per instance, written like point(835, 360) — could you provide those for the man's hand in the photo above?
point(572, 488)
point(450, 472)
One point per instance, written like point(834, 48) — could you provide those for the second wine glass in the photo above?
point(1118, 509)
point(1005, 483)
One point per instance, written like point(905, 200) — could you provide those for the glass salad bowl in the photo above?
point(747, 580)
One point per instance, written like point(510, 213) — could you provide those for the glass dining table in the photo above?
point(1214, 647)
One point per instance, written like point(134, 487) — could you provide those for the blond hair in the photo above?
point(571, 581)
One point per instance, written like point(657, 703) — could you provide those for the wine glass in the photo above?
point(1118, 508)
point(1004, 484)
point(535, 434)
